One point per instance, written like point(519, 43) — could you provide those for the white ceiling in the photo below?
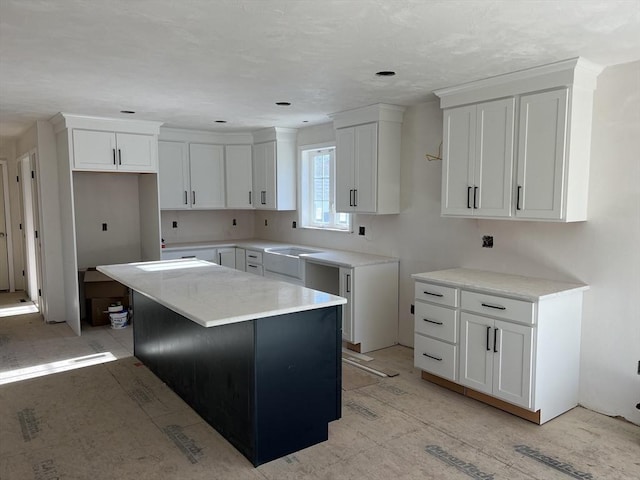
point(190, 62)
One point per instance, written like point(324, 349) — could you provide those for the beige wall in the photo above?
point(602, 252)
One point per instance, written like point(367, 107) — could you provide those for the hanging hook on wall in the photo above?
point(434, 157)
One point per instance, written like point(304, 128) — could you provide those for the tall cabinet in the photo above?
point(517, 145)
point(368, 159)
point(108, 190)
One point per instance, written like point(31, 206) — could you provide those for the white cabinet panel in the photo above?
point(458, 160)
point(436, 357)
point(476, 352)
point(239, 176)
point(512, 363)
point(206, 167)
point(345, 160)
point(541, 155)
point(109, 151)
point(173, 165)
point(346, 291)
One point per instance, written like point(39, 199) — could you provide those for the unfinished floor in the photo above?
point(116, 420)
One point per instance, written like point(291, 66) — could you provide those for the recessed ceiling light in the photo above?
point(305, 121)
point(385, 73)
point(128, 112)
point(283, 104)
point(221, 121)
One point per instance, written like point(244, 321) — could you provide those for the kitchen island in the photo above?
point(258, 359)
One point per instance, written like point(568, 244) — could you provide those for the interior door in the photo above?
point(28, 229)
point(5, 283)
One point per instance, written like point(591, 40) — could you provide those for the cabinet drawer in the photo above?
point(437, 294)
point(435, 321)
point(253, 268)
point(254, 257)
point(519, 311)
point(208, 254)
point(436, 357)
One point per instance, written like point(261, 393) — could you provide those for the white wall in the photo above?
point(206, 225)
point(602, 252)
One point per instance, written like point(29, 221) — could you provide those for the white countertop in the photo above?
point(212, 295)
point(515, 286)
point(329, 256)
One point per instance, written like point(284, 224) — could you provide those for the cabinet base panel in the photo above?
point(484, 398)
point(355, 347)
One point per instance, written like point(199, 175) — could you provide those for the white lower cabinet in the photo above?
point(253, 262)
point(227, 257)
point(518, 350)
point(496, 358)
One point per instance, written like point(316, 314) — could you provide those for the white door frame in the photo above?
point(7, 219)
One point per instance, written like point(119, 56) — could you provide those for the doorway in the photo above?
point(7, 283)
point(30, 227)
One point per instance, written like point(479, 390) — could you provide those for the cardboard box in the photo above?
point(98, 285)
point(97, 309)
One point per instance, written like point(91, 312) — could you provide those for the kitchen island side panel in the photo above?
point(269, 386)
point(298, 380)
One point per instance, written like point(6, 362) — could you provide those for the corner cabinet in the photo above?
point(191, 176)
point(517, 145)
point(510, 341)
point(368, 159)
point(274, 169)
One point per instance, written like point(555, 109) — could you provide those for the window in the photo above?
point(318, 191)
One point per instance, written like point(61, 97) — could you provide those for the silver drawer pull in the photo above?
point(432, 321)
point(431, 356)
point(434, 294)
point(497, 307)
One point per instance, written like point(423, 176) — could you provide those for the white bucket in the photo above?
point(118, 320)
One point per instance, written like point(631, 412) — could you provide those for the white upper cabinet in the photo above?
point(193, 180)
point(274, 169)
point(518, 145)
point(368, 159)
point(109, 145)
point(239, 176)
point(173, 164)
point(541, 155)
point(478, 159)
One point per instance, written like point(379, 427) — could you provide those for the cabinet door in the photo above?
point(512, 363)
point(239, 176)
point(345, 158)
point(458, 155)
point(270, 182)
point(94, 150)
point(476, 352)
point(136, 153)
point(366, 168)
point(173, 166)
point(206, 171)
point(493, 168)
point(346, 291)
point(262, 155)
point(541, 155)
point(227, 257)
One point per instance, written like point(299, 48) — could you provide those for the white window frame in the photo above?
point(305, 208)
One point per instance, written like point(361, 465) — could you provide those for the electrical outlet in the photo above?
point(265, 222)
point(638, 367)
point(294, 224)
point(234, 223)
point(360, 230)
point(487, 241)
point(174, 225)
point(413, 309)
point(104, 227)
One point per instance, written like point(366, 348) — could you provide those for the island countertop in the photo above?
point(211, 295)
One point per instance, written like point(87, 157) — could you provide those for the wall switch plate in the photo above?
point(360, 230)
point(413, 308)
point(104, 227)
point(174, 225)
point(294, 224)
point(487, 241)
